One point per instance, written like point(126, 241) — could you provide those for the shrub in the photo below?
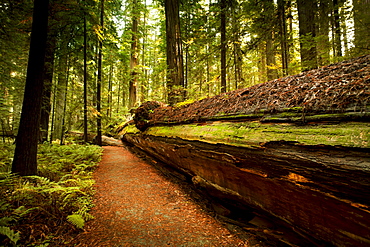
point(41, 209)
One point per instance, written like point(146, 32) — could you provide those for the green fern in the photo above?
point(77, 220)
point(22, 211)
point(62, 189)
point(4, 221)
point(11, 234)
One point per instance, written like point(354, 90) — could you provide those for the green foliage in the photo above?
point(77, 220)
point(12, 236)
point(59, 197)
point(5, 157)
point(189, 101)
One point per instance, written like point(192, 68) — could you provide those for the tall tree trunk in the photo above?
point(238, 60)
point(307, 33)
point(48, 84)
point(270, 57)
point(175, 74)
point(283, 36)
point(64, 106)
point(269, 36)
point(134, 56)
point(208, 73)
point(99, 81)
point(362, 23)
point(186, 62)
point(223, 44)
point(262, 64)
point(143, 85)
point(345, 37)
point(60, 89)
point(85, 80)
point(25, 155)
point(323, 45)
point(337, 31)
point(110, 92)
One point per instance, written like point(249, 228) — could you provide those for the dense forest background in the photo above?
point(105, 57)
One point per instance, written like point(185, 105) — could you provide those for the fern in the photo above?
point(22, 211)
point(11, 234)
point(77, 220)
point(62, 189)
point(4, 221)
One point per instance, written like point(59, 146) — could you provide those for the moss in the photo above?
point(131, 129)
point(253, 133)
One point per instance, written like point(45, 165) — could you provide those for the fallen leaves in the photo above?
point(137, 206)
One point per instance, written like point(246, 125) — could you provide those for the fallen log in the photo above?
point(106, 140)
point(295, 149)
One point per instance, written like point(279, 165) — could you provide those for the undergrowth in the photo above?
point(44, 209)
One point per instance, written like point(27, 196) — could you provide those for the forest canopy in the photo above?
point(116, 52)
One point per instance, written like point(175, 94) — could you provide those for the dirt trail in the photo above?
point(136, 206)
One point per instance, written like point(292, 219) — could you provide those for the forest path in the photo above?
point(137, 206)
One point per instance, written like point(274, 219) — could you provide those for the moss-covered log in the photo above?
point(296, 149)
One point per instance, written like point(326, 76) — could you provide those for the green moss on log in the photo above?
point(354, 134)
point(131, 129)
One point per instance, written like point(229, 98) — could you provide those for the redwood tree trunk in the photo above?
point(98, 86)
point(175, 80)
point(307, 33)
point(323, 46)
point(362, 23)
point(134, 57)
point(283, 36)
point(25, 155)
point(337, 32)
point(85, 80)
point(223, 45)
point(48, 83)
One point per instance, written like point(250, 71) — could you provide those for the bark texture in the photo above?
point(307, 33)
point(25, 155)
point(341, 89)
point(294, 150)
point(175, 82)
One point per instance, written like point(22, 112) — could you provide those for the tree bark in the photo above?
point(270, 57)
point(144, 84)
point(175, 75)
point(99, 81)
point(337, 31)
point(271, 70)
point(318, 191)
point(25, 155)
point(282, 148)
point(134, 56)
point(60, 88)
point(110, 92)
point(237, 52)
point(307, 33)
point(85, 80)
point(223, 44)
point(283, 36)
point(362, 23)
point(48, 84)
point(323, 45)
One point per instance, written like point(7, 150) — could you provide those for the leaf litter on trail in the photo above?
point(149, 210)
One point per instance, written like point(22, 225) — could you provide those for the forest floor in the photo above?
point(136, 205)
